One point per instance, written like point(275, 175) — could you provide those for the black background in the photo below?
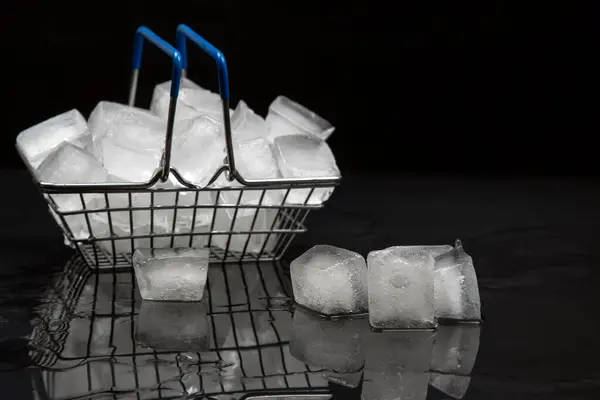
point(488, 88)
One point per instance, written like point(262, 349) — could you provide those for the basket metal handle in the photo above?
point(184, 33)
point(144, 33)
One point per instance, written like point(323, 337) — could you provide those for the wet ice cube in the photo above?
point(401, 288)
point(102, 117)
point(192, 102)
point(254, 159)
point(171, 274)
point(303, 156)
point(286, 117)
point(38, 141)
point(246, 124)
point(454, 386)
point(332, 344)
point(455, 349)
point(199, 150)
point(330, 280)
point(173, 326)
point(456, 290)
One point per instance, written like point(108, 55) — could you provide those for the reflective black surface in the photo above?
point(68, 333)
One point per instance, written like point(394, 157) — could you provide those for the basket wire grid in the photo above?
point(101, 248)
point(249, 331)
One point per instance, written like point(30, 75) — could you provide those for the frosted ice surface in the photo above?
point(455, 349)
point(171, 274)
point(330, 280)
point(39, 140)
point(102, 117)
point(198, 150)
point(333, 344)
point(174, 326)
point(401, 288)
point(133, 146)
point(192, 102)
point(454, 386)
point(303, 156)
point(246, 124)
point(286, 117)
point(254, 159)
point(456, 289)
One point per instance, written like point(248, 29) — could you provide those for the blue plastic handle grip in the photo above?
point(185, 32)
point(138, 45)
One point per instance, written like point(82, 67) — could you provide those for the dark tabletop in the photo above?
point(534, 243)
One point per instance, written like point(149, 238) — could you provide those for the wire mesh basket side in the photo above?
point(237, 224)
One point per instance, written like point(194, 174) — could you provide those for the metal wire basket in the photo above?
point(242, 240)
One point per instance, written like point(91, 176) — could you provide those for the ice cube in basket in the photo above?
point(39, 140)
point(401, 288)
point(171, 274)
point(456, 290)
point(192, 102)
point(254, 160)
point(102, 117)
point(260, 221)
point(330, 280)
point(198, 150)
point(246, 124)
point(303, 156)
point(133, 145)
point(286, 117)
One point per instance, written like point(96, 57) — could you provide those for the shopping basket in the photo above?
point(112, 247)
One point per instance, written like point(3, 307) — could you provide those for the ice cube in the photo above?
point(401, 288)
point(454, 386)
point(198, 150)
point(171, 274)
point(68, 164)
point(332, 344)
point(133, 146)
point(254, 159)
point(397, 365)
point(455, 349)
point(456, 290)
point(246, 124)
point(39, 140)
point(102, 117)
point(238, 242)
point(330, 280)
point(286, 117)
point(192, 102)
point(303, 156)
point(173, 326)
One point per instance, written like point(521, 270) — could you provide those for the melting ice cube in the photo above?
point(39, 140)
point(401, 288)
point(173, 326)
point(456, 290)
point(192, 102)
point(240, 242)
point(332, 344)
point(171, 274)
point(286, 117)
point(330, 280)
point(103, 116)
point(303, 156)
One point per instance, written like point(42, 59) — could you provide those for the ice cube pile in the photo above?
point(120, 143)
point(401, 287)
